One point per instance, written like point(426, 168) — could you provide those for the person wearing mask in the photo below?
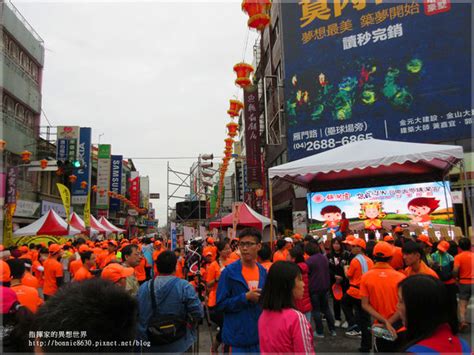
point(290, 331)
point(431, 327)
point(413, 257)
point(131, 258)
point(264, 256)
point(397, 258)
point(379, 294)
point(27, 296)
point(167, 296)
point(88, 261)
point(319, 284)
point(463, 271)
point(53, 271)
point(357, 317)
point(238, 295)
point(338, 258)
point(302, 304)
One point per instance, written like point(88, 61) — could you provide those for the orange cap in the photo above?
point(157, 243)
point(297, 236)
point(358, 242)
point(124, 245)
point(134, 241)
point(443, 246)
point(5, 271)
point(383, 249)
point(114, 272)
point(425, 239)
point(23, 249)
point(388, 238)
point(210, 240)
point(83, 248)
point(398, 229)
point(349, 239)
point(2, 248)
point(54, 248)
point(113, 242)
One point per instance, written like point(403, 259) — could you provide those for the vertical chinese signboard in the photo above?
point(252, 137)
point(103, 176)
point(115, 180)
point(68, 140)
point(357, 70)
point(134, 189)
point(79, 194)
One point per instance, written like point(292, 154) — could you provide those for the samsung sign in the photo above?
point(115, 180)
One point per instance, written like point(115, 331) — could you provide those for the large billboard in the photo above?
point(376, 69)
point(79, 194)
point(115, 180)
point(423, 205)
point(103, 176)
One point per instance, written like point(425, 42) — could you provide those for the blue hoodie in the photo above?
point(240, 316)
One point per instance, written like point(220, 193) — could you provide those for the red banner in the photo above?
point(252, 137)
point(134, 191)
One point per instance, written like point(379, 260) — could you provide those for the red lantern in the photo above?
point(228, 154)
point(229, 143)
point(83, 185)
point(259, 192)
point(110, 193)
point(60, 171)
point(3, 144)
point(258, 12)
point(94, 188)
point(232, 128)
point(72, 179)
point(25, 156)
point(43, 163)
point(235, 107)
point(243, 71)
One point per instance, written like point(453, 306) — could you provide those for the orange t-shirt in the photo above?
point(464, 261)
point(52, 270)
point(251, 276)
point(140, 273)
point(82, 274)
point(179, 268)
point(74, 266)
point(212, 249)
point(380, 286)
point(34, 255)
point(28, 297)
point(38, 274)
point(424, 269)
point(266, 265)
point(212, 274)
point(30, 280)
point(280, 255)
point(234, 256)
point(354, 274)
point(397, 259)
point(107, 259)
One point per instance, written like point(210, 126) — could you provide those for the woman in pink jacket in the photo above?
point(281, 327)
point(303, 305)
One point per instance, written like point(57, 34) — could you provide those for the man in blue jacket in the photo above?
point(238, 293)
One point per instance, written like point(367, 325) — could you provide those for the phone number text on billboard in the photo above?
point(323, 144)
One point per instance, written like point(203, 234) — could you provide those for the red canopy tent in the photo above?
point(105, 223)
point(247, 217)
point(50, 224)
point(99, 227)
point(78, 222)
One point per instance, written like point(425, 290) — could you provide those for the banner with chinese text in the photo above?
point(252, 137)
point(357, 70)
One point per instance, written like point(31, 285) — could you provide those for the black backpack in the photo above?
point(164, 328)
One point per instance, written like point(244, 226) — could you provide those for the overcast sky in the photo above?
point(154, 77)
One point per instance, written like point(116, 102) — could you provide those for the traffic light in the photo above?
point(76, 164)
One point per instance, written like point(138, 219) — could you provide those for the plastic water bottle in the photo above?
point(381, 332)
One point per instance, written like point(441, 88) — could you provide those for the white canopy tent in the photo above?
point(370, 163)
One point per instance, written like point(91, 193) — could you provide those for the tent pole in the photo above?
point(446, 201)
point(465, 198)
point(271, 212)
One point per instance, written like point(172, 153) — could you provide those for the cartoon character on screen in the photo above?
point(372, 214)
point(332, 216)
point(420, 209)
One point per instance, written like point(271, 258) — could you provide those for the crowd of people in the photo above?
point(395, 294)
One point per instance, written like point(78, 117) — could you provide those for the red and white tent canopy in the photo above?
point(247, 217)
point(78, 223)
point(50, 224)
point(99, 227)
point(103, 221)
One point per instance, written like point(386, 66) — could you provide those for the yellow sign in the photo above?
point(66, 197)
point(87, 211)
point(8, 225)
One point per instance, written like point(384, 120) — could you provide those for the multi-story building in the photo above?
point(21, 62)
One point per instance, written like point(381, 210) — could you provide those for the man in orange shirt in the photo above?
point(110, 255)
point(463, 271)
point(379, 293)
point(283, 247)
point(210, 247)
point(412, 256)
point(76, 264)
point(28, 279)
point(88, 261)
point(357, 318)
point(27, 296)
point(158, 249)
point(38, 265)
point(396, 261)
point(53, 271)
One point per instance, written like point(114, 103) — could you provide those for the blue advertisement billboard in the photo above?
point(423, 205)
point(79, 194)
point(115, 180)
point(357, 70)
